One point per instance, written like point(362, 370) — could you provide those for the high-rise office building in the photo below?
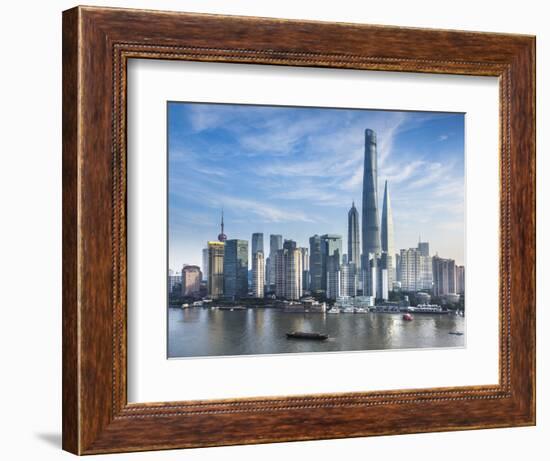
point(191, 280)
point(174, 282)
point(410, 269)
point(315, 264)
point(424, 248)
point(348, 280)
point(385, 262)
point(275, 244)
point(305, 268)
point(460, 280)
point(386, 233)
point(444, 276)
point(426, 272)
point(370, 238)
point(354, 239)
point(258, 274)
point(415, 270)
point(331, 245)
point(369, 276)
point(383, 287)
point(288, 271)
point(235, 268)
point(257, 243)
point(333, 275)
point(204, 268)
point(397, 267)
point(215, 269)
point(386, 236)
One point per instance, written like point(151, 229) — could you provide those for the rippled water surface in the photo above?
point(198, 332)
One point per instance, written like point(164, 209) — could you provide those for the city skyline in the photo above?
point(300, 199)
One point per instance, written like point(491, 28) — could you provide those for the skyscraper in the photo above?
point(370, 238)
point(333, 276)
point(460, 282)
point(215, 269)
point(275, 244)
point(235, 268)
point(257, 243)
point(258, 274)
point(354, 241)
point(174, 281)
point(288, 271)
point(415, 270)
point(386, 236)
point(305, 268)
point(444, 276)
point(348, 280)
point(190, 280)
point(205, 263)
point(424, 248)
point(410, 269)
point(331, 245)
point(315, 264)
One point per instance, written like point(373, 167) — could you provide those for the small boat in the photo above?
point(456, 333)
point(306, 335)
point(408, 317)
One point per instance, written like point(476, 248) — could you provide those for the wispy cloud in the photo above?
point(295, 171)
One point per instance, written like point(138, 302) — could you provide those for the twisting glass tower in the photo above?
point(371, 228)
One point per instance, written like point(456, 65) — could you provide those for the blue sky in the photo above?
point(295, 172)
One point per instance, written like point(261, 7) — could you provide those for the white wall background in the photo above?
point(30, 231)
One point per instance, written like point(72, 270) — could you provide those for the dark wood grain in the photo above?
point(97, 43)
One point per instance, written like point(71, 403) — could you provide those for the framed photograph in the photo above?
point(282, 230)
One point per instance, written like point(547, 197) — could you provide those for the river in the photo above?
point(198, 332)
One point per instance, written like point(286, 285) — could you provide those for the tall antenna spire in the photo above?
point(222, 237)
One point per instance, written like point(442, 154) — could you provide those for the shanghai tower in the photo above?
point(370, 238)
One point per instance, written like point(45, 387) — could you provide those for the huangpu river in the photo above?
point(204, 332)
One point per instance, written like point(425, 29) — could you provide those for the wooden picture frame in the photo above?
point(97, 43)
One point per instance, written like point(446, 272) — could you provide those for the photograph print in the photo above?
point(313, 230)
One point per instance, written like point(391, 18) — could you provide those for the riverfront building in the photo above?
point(354, 240)
point(388, 252)
point(305, 268)
point(191, 277)
point(288, 271)
point(315, 264)
point(460, 282)
point(331, 245)
point(348, 280)
point(205, 264)
point(258, 274)
point(235, 268)
point(257, 243)
point(215, 269)
point(275, 244)
point(444, 276)
point(370, 238)
point(333, 275)
point(174, 282)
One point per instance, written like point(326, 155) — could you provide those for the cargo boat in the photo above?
point(306, 335)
